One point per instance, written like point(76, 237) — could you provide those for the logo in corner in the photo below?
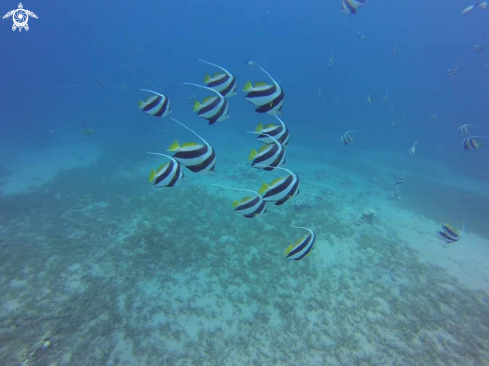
point(20, 17)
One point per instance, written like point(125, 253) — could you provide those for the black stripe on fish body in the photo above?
point(447, 238)
point(290, 194)
point(300, 247)
point(214, 104)
point(283, 186)
point(219, 113)
point(274, 150)
point(177, 176)
point(449, 231)
point(269, 106)
point(284, 139)
point(219, 82)
point(248, 204)
point(191, 154)
point(229, 89)
point(473, 143)
point(153, 104)
point(163, 108)
point(262, 208)
point(211, 160)
point(262, 92)
point(166, 173)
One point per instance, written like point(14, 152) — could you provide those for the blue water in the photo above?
point(68, 72)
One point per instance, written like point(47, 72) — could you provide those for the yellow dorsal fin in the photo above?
point(161, 167)
point(275, 181)
point(207, 79)
point(252, 155)
point(190, 144)
point(261, 83)
point(248, 87)
point(263, 148)
point(141, 104)
point(270, 126)
point(264, 187)
point(259, 128)
point(288, 250)
point(152, 175)
point(235, 204)
point(207, 99)
point(245, 199)
point(197, 106)
point(174, 147)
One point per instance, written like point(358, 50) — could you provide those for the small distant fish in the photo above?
point(158, 105)
point(391, 108)
point(395, 122)
point(198, 158)
point(361, 36)
point(320, 95)
point(451, 72)
point(368, 101)
point(302, 247)
point(281, 189)
point(351, 6)
point(470, 143)
point(468, 9)
point(212, 109)
point(386, 96)
point(192, 98)
point(270, 132)
point(483, 5)
point(123, 89)
point(249, 207)
point(432, 119)
point(346, 137)
point(250, 63)
point(166, 175)
point(88, 131)
point(337, 100)
point(449, 234)
point(464, 129)
point(412, 150)
point(268, 156)
point(478, 48)
point(400, 181)
point(394, 50)
point(223, 83)
point(99, 82)
point(440, 147)
point(331, 60)
point(268, 98)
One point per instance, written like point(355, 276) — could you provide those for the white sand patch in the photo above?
point(32, 169)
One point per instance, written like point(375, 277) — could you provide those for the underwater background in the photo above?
point(100, 267)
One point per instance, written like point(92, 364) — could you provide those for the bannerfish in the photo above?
point(468, 9)
point(464, 129)
point(391, 108)
point(250, 63)
point(432, 119)
point(281, 189)
point(168, 174)
point(368, 101)
point(269, 98)
point(483, 5)
point(198, 158)
point(394, 50)
point(351, 6)
point(451, 72)
point(223, 83)
point(249, 207)
point(337, 100)
point(212, 109)
point(412, 150)
point(157, 105)
point(470, 143)
point(346, 137)
point(268, 156)
point(400, 181)
point(279, 133)
point(386, 96)
point(449, 234)
point(302, 247)
point(331, 61)
point(395, 122)
point(478, 48)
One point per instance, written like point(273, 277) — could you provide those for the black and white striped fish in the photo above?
point(268, 98)
point(412, 150)
point(249, 207)
point(386, 96)
point(279, 133)
point(223, 83)
point(158, 105)
point(432, 119)
point(198, 158)
point(213, 109)
point(168, 174)
point(449, 234)
point(302, 247)
point(470, 143)
point(281, 189)
point(268, 156)
point(464, 129)
point(346, 137)
point(400, 181)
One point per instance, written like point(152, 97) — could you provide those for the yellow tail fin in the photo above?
point(235, 204)
point(197, 106)
point(259, 128)
point(252, 155)
point(207, 79)
point(141, 104)
point(152, 175)
point(174, 147)
point(248, 87)
point(287, 251)
point(263, 188)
